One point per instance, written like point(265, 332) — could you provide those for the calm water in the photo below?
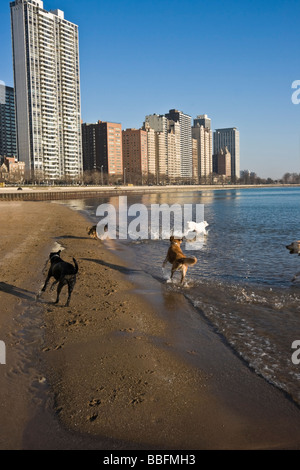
point(242, 281)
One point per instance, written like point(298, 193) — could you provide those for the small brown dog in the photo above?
point(92, 231)
point(294, 247)
point(178, 260)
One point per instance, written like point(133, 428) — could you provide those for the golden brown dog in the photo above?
point(178, 260)
point(294, 247)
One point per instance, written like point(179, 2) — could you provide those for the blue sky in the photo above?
point(232, 60)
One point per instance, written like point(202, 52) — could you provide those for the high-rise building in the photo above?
point(102, 148)
point(203, 120)
point(109, 148)
point(203, 135)
point(89, 149)
point(135, 155)
point(185, 141)
point(159, 124)
point(230, 138)
point(174, 151)
point(151, 151)
point(47, 90)
point(8, 143)
point(195, 161)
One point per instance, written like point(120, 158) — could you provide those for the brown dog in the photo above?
point(178, 260)
point(92, 232)
point(294, 247)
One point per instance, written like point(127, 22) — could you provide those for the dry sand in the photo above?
point(127, 365)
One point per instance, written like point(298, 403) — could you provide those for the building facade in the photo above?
point(109, 148)
point(203, 120)
point(195, 161)
point(174, 152)
point(11, 170)
point(224, 163)
point(203, 135)
point(152, 154)
point(135, 155)
point(47, 91)
point(184, 121)
point(89, 149)
point(8, 142)
point(159, 124)
point(102, 148)
point(230, 138)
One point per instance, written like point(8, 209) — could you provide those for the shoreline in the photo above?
point(48, 193)
point(128, 365)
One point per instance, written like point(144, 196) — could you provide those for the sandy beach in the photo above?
point(123, 367)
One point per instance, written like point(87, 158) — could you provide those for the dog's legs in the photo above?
point(52, 285)
point(174, 269)
point(183, 273)
point(59, 288)
point(165, 262)
point(70, 289)
point(47, 280)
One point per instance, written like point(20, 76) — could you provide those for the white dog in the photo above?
point(199, 228)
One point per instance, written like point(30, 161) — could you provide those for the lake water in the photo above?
point(242, 282)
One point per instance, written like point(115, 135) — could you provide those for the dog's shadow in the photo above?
point(121, 269)
point(62, 237)
point(17, 291)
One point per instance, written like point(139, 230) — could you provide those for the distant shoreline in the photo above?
point(44, 193)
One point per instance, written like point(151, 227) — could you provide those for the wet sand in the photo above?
point(128, 365)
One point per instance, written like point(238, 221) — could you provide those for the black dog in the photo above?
point(63, 272)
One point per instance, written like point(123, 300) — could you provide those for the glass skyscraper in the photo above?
point(8, 144)
point(230, 138)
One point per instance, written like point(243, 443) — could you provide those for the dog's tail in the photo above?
point(188, 261)
point(76, 266)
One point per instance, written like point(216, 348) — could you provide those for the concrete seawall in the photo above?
point(56, 193)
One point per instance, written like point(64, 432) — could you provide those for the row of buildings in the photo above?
point(40, 118)
point(167, 148)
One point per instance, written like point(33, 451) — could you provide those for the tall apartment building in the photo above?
point(185, 140)
point(174, 151)
point(159, 124)
point(135, 155)
point(109, 148)
point(89, 149)
point(230, 138)
point(102, 148)
point(203, 135)
point(47, 90)
point(8, 142)
point(151, 150)
point(195, 161)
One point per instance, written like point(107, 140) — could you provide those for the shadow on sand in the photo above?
point(17, 291)
point(121, 269)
